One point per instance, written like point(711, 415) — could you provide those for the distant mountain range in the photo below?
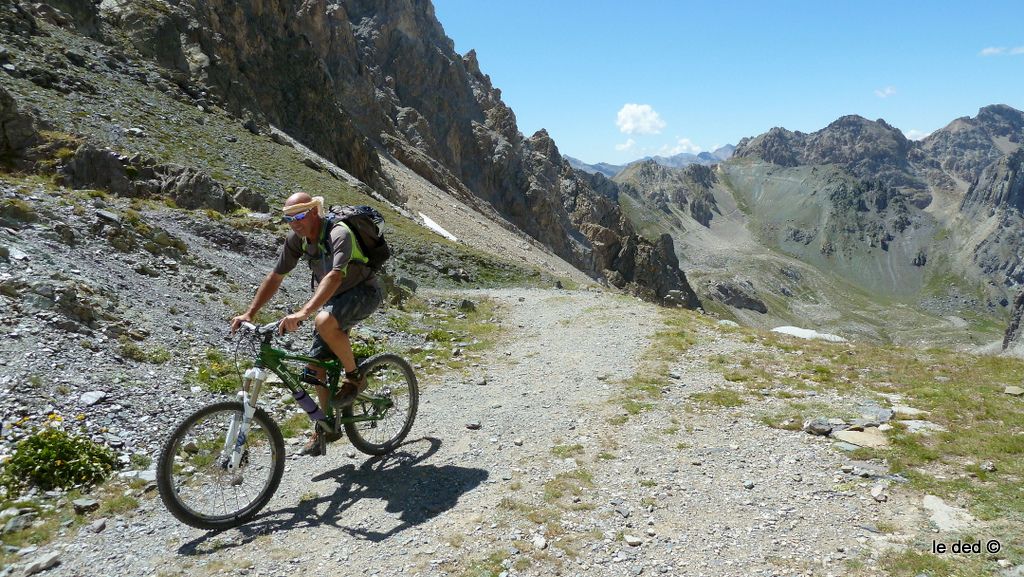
point(680, 160)
point(803, 226)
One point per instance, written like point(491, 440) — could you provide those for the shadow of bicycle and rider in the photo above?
point(412, 492)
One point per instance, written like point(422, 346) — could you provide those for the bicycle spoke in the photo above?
point(388, 407)
point(203, 491)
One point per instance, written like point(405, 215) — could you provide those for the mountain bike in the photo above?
point(224, 462)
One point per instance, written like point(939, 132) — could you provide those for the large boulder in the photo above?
point(741, 295)
point(92, 167)
point(249, 198)
point(17, 129)
point(83, 15)
point(194, 189)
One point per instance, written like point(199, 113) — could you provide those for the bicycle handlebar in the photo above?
point(269, 328)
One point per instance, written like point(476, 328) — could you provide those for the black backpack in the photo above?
point(364, 222)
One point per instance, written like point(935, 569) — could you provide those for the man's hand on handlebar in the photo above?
point(237, 321)
point(291, 323)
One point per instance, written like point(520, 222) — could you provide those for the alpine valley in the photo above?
point(853, 229)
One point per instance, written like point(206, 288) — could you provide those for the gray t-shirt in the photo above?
point(333, 253)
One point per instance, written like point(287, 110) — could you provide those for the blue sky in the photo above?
point(702, 74)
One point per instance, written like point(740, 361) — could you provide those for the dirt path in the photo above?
point(546, 485)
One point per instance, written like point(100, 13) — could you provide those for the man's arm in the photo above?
point(268, 288)
point(324, 292)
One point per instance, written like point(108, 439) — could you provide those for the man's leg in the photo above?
point(322, 394)
point(336, 339)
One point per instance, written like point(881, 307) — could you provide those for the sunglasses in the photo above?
point(295, 217)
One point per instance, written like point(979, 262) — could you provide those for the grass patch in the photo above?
point(962, 392)
point(118, 505)
point(451, 334)
point(139, 461)
point(51, 517)
point(911, 563)
point(790, 419)
point(294, 425)
point(155, 355)
point(719, 398)
point(571, 482)
point(216, 373)
point(488, 566)
point(18, 209)
point(678, 334)
point(364, 348)
point(566, 451)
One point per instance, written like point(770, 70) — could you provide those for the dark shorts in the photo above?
point(348, 309)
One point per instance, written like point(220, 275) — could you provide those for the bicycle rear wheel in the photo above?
point(194, 481)
point(390, 402)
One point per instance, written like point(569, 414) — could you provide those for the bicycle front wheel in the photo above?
point(193, 476)
point(386, 409)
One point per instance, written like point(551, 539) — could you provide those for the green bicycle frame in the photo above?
point(274, 360)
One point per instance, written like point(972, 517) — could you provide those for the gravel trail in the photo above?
point(546, 484)
point(397, 514)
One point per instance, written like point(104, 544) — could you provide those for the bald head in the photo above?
point(297, 198)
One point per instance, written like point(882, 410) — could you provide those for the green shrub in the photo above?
point(439, 336)
point(364, 349)
point(54, 459)
point(218, 374)
point(155, 355)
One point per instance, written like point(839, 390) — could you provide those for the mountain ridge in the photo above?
point(681, 160)
point(857, 198)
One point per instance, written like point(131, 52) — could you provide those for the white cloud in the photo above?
point(625, 145)
point(1002, 51)
point(914, 134)
point(682, 145)
point(639, 119)
point(885, 92)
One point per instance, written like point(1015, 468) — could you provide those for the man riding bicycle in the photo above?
point(346, 289)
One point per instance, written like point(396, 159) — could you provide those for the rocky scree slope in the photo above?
point(118, 272)
point(354, 80)
point(111, 120)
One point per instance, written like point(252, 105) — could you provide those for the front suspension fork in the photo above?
point(238, 429)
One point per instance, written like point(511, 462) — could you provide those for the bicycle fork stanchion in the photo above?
point(238, 431)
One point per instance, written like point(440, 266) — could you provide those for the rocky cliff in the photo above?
point(687, 188)
point(356, 79)
point(1014, 337)
point(966, 146)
